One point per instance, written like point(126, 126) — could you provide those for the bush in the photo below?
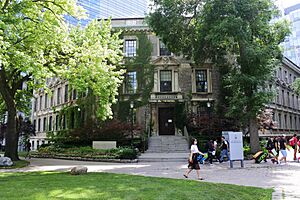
point(127, 153)
point(88, 152)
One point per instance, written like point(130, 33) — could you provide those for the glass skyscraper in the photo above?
point(97, 9)
point(123, 8)
point(292, 43)
point(291, 11)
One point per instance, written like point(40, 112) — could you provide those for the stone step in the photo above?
point(165, 144)
point(163, 157)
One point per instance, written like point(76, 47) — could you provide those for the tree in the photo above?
point(233, 34)
point(37, 44)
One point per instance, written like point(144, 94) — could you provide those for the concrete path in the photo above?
point(283, 178)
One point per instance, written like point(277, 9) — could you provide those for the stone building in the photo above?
point(286, 105)
point(176, 80)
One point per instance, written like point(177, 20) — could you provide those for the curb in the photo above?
point(88, 159)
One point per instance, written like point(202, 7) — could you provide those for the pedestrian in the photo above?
point(293, 143)
point(275, 150)
point(283, 147)
point(210, 149)
point(193, 162)
point(270, 146)
point(224, 149)
point(27, 149)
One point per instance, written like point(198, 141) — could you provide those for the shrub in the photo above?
point(89, 152)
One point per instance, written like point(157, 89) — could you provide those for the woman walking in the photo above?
point(193, 162)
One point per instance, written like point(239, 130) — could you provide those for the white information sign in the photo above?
point(235, 140)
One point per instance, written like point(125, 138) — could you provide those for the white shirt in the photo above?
point(194, 148)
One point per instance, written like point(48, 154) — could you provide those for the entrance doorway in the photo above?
point(166, 121)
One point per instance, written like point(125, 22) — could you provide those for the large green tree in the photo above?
point(237, 35)
point(36, 44)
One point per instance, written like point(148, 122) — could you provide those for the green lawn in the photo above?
point(55, 185)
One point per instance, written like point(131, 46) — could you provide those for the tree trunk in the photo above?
point(254, 138)
point(11, 136)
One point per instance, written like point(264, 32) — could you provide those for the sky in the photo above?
point(287, 3)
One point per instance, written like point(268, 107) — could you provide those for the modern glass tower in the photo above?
point(92, 8)
point(123, 8)
point(292, 43)
point(291, 11)
point(97, 9)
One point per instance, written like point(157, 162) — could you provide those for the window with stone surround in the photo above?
point(163, 50)
point(44, 124)
point(58, 96)
point(166, 81)
point(201, 81)
point(50, 123)
point(130, 48)
point(130, 83)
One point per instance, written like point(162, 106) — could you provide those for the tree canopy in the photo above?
point(238, 36)
point(36, 44)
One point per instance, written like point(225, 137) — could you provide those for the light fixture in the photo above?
point(131, 104)
point(208, 103)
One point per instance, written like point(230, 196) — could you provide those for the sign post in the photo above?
point(235, 140)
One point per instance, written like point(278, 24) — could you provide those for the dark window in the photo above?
point(163, 50)
point(130, 48)
point(74, 94)
point(131, 83)
point(46, 100)
point(279, 120)
point(56, 122)
point(39, 124)
point(51, 98)
point(282, 97)
point(166, 81)
point(66, 93)
point(64, 122)
point(35, 104)
point(291, 122)
point(72, 120)
point(50, 123)
point(58, 96)
point(44, 124)
point(34, 125)
point(201, 81)
point(41, 101)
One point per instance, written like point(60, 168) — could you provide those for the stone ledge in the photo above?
point(87, 159)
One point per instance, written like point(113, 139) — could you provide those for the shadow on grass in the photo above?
point(55, 185)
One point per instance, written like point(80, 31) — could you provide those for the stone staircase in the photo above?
point(166, 149)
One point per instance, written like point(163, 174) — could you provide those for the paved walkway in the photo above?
point(283, 178)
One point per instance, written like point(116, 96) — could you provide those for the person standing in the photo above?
point(293, 143)
point(210, 149)
point(283, 147)
point(224, 149)
point(27, 148)
point(193, 162)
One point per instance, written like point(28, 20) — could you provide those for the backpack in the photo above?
point(292, 142)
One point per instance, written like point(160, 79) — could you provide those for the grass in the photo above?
point(57, 185)
point(17, 164)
